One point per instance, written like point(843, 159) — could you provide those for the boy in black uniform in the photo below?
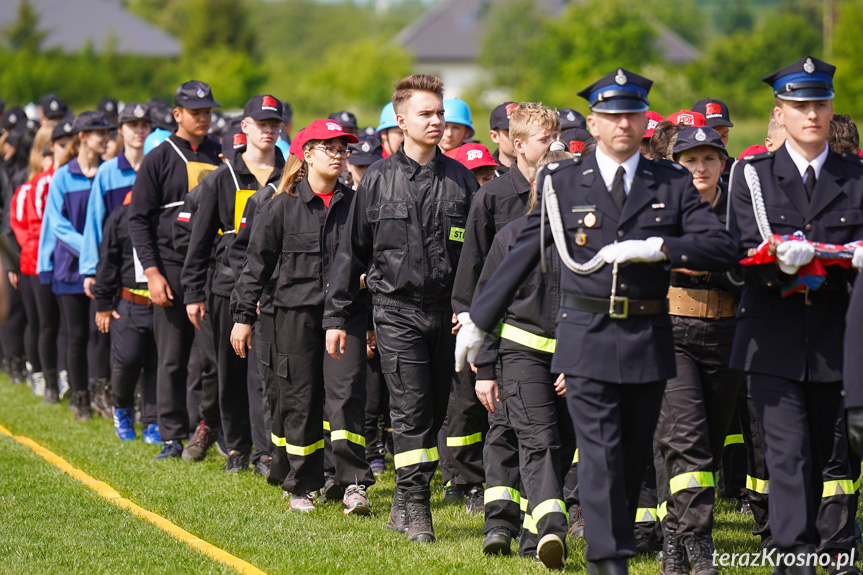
point(498, 121)
point(791, 347)
point(406, 228)
point(614, 338)
point(166, 176)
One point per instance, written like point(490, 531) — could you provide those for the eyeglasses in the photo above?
point(275, 125)
point(334, 152)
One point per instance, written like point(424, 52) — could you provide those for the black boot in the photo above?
point(699, 551)
point(418, 505)
point(673, 556)
point(607, 567)
point(398, 520)
point(17, 370)
point(52, 391)
point(101, 396)
point(806, 569)
point(81, 403)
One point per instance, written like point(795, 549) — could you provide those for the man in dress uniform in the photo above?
point(637, 219)
point(791, 346)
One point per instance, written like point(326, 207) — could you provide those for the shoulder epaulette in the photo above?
point(668, 164)
point(756, 157)
point(852, 158)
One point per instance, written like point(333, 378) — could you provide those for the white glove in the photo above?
point(649, 250)
point(467, 341)
point(857, 260)
point(791, 255)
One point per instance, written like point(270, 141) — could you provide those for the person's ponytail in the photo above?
point(295, 171)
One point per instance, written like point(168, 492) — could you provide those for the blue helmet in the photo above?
point(155, 138)
point(388, 118)
point(456, 111)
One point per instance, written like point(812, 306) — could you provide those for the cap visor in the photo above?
point(266, 115)
point(807, 94)
point(620, 106)
point(719, 122)
point(357, 160)
point(198, 104)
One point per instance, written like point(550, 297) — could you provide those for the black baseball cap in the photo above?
point(233, 141)
point(162, 117)
point(346, 119)
point(194, 95)
point(366, 152)
point(14, 119)
point(53, 106)
point(570, 118)
point(134, 112)
point(91, 121)
point(618, 92)
point(499, 119)
point(715, 112)
point(575, 139)
point(287, 111)
point(63, 129)
point(109, 107)
point(692, 137)
point(264, 107)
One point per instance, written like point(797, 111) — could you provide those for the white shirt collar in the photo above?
point(802, 164)
point(608, 168)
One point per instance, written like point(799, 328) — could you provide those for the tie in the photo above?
point(809, 184)
point(618, 193)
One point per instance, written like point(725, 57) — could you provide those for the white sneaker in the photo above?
point(38, 384)
point(63, 383)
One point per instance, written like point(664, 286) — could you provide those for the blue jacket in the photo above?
point(61, 237)
point(110, 186)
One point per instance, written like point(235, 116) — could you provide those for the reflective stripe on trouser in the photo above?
point(503, 496)
point(467, 422)
point(534, 410)
point(417, 360)
point(646, 514)
point(757, 485)
point(696, 411)
point(733, 439)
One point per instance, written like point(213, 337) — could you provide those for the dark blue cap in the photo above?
point(806, 79)
point(570, 118)
point(619, 92)
point(346, 119)
point(194, 95)
point(63, 129)
point(365, 152)
point(692, 137)
point(15, 119)
point(91, 121)
point(134, 112)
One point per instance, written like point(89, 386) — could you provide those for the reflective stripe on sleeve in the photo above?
point(527, 339)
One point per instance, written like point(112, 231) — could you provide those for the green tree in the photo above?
point(846, 58)
point(737, 17)
point(23, 33)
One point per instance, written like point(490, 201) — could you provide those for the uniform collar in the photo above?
point(801, 162)
point(307, 195)
point(608, 168)
point(122, 162)
point(240, 166)
point(75, 167)
point(412, 168)
point(519, 182)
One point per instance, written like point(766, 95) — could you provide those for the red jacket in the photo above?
point(27, 208)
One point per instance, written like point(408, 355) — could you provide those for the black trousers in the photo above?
point(757, 476)
point(12, 330)
point(204, 373)
point(76, 314)
point(377, 408)
point(614, 424)
point(31, 333)
point(259, 406)
point(731, 481)
point(546, 441)
point(504, 492)
point(49, 323)
point(693, 422)
point(467, 424)
point(175, 336)
point(233, 379)
point(98, 349)
point(133, 358)
point(417, 360)
point(264, 336)
point(811, 484)
point(311, 383)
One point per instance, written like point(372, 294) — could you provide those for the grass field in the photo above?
point(51, 523)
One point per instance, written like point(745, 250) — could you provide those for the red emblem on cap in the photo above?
point(239, 140)
point(713, 109)
point(509, 109)
point(269, 103)
point(576, 147)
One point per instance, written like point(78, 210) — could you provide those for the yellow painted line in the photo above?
point(109, 493)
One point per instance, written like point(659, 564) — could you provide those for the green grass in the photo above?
point(50, 523)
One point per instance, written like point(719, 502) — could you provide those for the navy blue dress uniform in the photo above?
point(791, 347)
point(699, 402)
point(616, 367)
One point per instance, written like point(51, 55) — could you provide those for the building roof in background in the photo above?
point(71, 24)
point(452, 30)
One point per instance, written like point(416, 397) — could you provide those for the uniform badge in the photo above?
point(590, 220)
point(580, 239)
point(620, 77)
point(700, 135)
point(658, 206)
point(808, 66)
point(54, 106)
point(138, 112)
point(552, 166)
point(366, 147)
point(345, 117)
point(571, 117)
point(201, 93)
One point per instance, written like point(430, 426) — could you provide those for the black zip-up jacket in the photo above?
point(163, 181)
point(499, 202)
point(534, 306)
point(216, 212)
point(254, 207)
point(116, 267)
point(300, 235)
point(406, 228)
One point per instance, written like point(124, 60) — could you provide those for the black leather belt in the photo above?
point(621, 308)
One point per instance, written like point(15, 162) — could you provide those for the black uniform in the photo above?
point(221, 208)
point(133, 347)
point(616, 368)
point(528, 400)
point(406, 228)
point(301, 236)
point(791, 347)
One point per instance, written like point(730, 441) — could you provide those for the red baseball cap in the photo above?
point(319, 130)
point(653, 118)
point(472, 156)
point(752, 150)
point(688, 118)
